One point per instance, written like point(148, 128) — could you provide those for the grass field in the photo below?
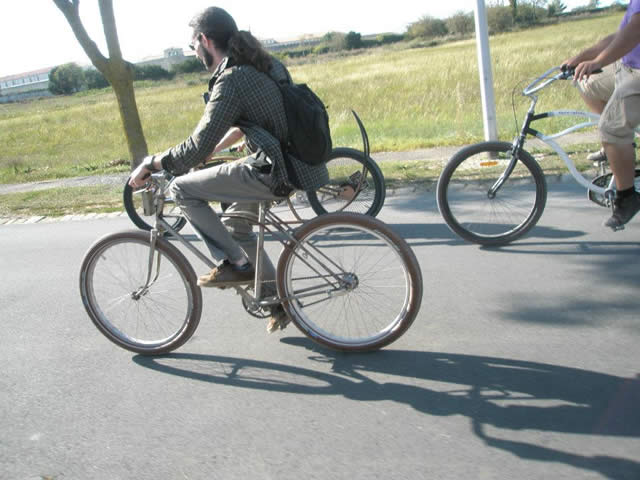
point(407, 98)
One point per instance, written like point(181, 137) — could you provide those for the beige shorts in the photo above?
point(600, 86)
point(622, 114)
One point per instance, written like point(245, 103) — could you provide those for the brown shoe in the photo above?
point(279, 319)
point(226, 275)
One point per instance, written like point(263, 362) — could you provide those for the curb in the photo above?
point(65, 218)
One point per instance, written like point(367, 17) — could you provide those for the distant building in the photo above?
point(35, 84)
point(169, 58)
point(25, 85)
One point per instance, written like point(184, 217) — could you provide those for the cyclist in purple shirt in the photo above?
point(621, 115)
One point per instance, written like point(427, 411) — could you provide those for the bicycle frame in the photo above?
point(266, 221)
point(590, 120)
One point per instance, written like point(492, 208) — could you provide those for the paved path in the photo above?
point(523, 363)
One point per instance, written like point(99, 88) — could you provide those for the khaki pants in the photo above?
point(601, 85)
point(236, 183)
point(622, 112)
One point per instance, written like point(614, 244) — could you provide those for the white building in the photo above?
point(169, 58)
point(25, 85)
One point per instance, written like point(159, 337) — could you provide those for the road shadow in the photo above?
point(502, 393)
point(417, 234)
point(527, 246)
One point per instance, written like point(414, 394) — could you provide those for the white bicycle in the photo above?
point(493, 193)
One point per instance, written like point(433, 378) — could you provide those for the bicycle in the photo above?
point(492, 193)
point(356, 184)
point(346, 280)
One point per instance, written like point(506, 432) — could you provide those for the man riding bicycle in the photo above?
point(621, 113)
point(243, 100)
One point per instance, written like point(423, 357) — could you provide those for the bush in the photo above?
point(151, 72)
point(555, 7)
point(427, 27)
point(499, 19)
point(66, 79)
point(94, 79)
point(387, 38)
point(320, 49)
point(335, 41)
point(352, 40)
point(192, 65)
point(461, 23)
point(529, 14)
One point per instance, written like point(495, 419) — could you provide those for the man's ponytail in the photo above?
point(246, 49)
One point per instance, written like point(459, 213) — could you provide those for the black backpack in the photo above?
point(308, 124)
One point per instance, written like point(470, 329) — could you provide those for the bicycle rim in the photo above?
point(355, 185)
point(149, 321)
point(469, 208)
point(383, 277)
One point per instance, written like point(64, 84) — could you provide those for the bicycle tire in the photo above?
point(475, 216)
point(112, 275)
point(343, 165)
point(383, 274)
point(176, 221)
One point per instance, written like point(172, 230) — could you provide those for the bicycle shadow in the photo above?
point(502, 393)
point(418, 234)
point(575, 248)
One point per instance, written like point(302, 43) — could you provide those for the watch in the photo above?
point(148, 163)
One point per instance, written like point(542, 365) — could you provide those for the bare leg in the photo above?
point(622, 161)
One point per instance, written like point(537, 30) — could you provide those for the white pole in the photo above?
point(486, 77)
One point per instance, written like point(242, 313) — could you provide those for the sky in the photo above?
point(34, 34)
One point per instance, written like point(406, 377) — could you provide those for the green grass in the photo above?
point(62, 201)
point(408, 98)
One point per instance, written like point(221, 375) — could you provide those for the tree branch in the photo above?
point(110, 30)
point(71, 10)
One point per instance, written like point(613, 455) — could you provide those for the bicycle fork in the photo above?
point(518, 145)
point(144, 289)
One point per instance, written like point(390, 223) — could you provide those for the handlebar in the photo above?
point(556, 73)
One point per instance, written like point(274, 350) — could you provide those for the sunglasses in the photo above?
point(192, 45)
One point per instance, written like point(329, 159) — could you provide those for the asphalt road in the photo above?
point(524, 363)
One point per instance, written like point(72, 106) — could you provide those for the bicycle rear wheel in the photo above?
point(133, 207)
point(352, 187)
point(351, 283)
point(147, 319)
point(472, 212)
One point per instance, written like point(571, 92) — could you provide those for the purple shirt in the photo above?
point(631, 59)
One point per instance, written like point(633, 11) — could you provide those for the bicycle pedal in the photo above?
point(600, 181)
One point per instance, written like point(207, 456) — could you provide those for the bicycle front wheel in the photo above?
point(133, 206)
point(356, 185)
point(349, 282)
point(473, 211)
point(145, 316)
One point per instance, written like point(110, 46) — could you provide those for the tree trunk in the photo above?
point(122, 84)
point(514, 10)
point(115, 69)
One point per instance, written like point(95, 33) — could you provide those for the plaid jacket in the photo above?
point(243, 97)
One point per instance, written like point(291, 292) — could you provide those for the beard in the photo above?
point(207, 59)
